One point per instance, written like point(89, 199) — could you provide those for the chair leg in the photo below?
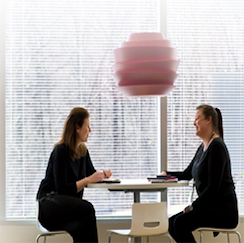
point(147, 239)
point(109, 238)
point(132, 239)
point(239, 236)
point(37, 239)
point(228, 237)
point(45, 239)
point(39, 236)
point(170, 238)
point(129, 239)
point(201, 236)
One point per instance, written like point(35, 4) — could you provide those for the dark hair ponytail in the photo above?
point(216, 115)
point(220, 123)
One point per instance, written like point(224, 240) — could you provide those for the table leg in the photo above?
point(136, 196)
point(137, 200)
point(164, 195)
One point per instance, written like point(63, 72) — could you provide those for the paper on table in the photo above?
point(160, 179)
point(163, 180)
point(111, 180)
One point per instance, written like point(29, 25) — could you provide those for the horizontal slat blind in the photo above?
point(60, 55)
point(209, 38)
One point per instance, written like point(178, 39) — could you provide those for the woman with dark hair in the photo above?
point(69, 170)
point(216, 205)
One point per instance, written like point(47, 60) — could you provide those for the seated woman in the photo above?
point(69, 170)
point(216, 205)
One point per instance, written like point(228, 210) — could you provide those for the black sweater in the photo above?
point(62, 173)
point(211, 171)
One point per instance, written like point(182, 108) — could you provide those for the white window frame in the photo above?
point(2, 110)
point(162, 125)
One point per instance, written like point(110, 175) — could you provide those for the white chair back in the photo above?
point(149, 219)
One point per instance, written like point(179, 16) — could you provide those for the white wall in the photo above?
point(28, 233)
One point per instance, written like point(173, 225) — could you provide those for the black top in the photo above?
point(211, 171)
point(62, 173)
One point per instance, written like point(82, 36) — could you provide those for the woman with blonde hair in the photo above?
point(69, 170)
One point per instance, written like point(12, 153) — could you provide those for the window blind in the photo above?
point(59, 55)
point(209, 38)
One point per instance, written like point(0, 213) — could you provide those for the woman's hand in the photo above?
point(96, 177)
point(163, 173)
point(107, 173)
point(188, 209)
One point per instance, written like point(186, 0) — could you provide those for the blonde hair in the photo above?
point(69, 136)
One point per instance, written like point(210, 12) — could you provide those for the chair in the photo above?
point(225, 231)
point(147, 220)
point(45, 231)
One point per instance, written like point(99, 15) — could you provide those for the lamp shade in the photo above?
point(145, 65)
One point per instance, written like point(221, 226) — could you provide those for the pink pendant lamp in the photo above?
point(145, 65)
